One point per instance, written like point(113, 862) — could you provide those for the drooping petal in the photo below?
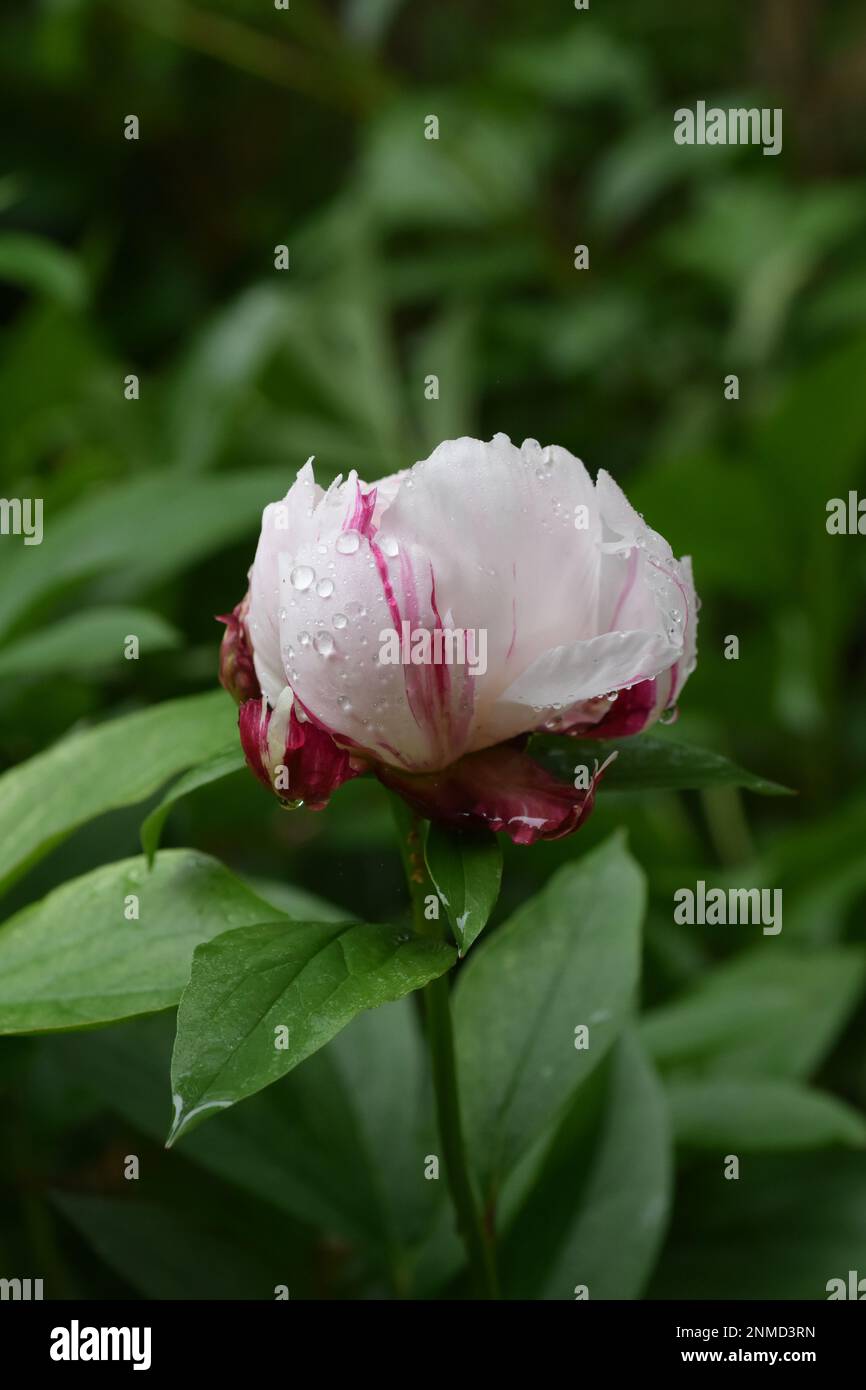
point(584, 671)
point(291, 756)
point(502, 789)
point(629, 713)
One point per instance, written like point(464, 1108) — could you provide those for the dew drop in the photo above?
point(324, 643)
point(389, 546)
point(304, 639)
point(302, 577)
point(345, 703)
point(340, 620)
point(347, 542)
point(325, 588)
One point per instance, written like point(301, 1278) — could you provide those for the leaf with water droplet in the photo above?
point(309, 977)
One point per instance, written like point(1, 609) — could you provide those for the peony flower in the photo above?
point(421, 628)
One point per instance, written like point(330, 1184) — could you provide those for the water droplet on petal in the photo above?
point(325, 588)
point(302, 577)
point(389, 546)
point(340, 620)
point(324, 643)
point(347, 542)
point(304, 639)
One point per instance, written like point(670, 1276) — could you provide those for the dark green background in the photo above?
point(409, 257)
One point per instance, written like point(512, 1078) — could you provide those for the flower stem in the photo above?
point(437, 1003)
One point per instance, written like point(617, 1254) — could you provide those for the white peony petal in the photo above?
point(571, 593)
point(566, 675)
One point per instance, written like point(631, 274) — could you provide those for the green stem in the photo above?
point(476, 1237)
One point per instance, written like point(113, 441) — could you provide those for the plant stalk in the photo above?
point(477, 1239)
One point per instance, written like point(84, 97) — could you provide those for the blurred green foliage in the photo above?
point(260, 127)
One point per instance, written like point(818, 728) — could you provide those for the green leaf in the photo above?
point(192, 1244)
point(598, 1212)
point(466, 870)
point(450, 342)
point(87, 641)
point(340, 1142)
point(309, 978)
point(115, 764)
point(578, 66)
point(222, 765)
point(37, 264)
point(647, 762)
point(226, 357)
point(822, 407)
point(568, 957)
point(748, 1115)
point(73, 960)
point(297, 902)
point(800, 1218)
point(113, 529)
point(768, 1012)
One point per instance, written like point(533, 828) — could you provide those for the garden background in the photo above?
point(155, 257)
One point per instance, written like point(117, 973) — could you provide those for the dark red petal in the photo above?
point(501, 788)
point(314, 764)
point(254, 717)
point(629, 714)
point(237, 672)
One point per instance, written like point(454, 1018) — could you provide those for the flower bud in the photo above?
point(423, 627)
